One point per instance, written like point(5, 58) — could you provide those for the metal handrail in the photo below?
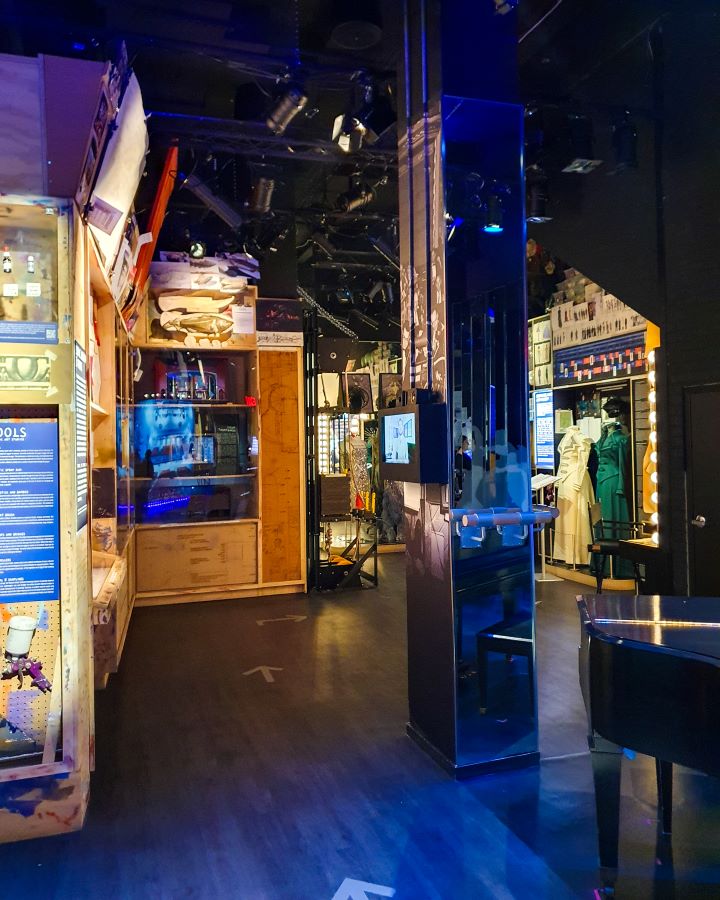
point(499, 515)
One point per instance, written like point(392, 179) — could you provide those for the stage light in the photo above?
point(653, 457)
point(288, 105)
point(654, 518)
point(653, 437)
point(651, 357)
point(654, 497)
point(654, 477)
point(652, 397)
point(197, 250)
point(651, 377)
point(653, 417)
point(344, 296)
point(493, 214)
point(261, 195)
point(581, 142)
point(624, 138)
point(357, 198)
point(655, 538)
point(348, 133)
point(537, 195)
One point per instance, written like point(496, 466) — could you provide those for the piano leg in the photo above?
point(664, 773)
point(607, 767)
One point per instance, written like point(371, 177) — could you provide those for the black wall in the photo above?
point(650, 235)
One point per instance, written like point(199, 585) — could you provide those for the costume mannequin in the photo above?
point(575, 492)
point(612, 478)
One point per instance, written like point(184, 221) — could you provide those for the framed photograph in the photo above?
point(357, 392)
point(390, 388)
point(541, 353)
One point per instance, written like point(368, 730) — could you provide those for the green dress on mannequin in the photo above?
point(613, 476)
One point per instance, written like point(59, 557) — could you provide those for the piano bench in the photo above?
point(489, 641)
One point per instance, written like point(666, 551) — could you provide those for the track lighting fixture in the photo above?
point(581, 145)
point(261, 195)
point(344, 296)
point(624, 138)
point(367, 122)
point(537, 195)
point(357, 198)
point(348, 133)
point(493, 214)
point(292, 101)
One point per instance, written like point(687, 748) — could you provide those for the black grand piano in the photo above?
point(650, 678)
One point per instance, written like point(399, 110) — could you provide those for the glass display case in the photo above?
point(195, 438)
point(28, 278)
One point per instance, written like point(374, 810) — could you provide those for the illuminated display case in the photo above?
point(195, 441)
point(45, 716)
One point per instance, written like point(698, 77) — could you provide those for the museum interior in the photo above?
point(357, 361)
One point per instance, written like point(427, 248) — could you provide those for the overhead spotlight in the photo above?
point(348, 133)
point(376, 114)
point(344, 296)
point(624, 138)
point(383, 291)
point(537, 195)
point(288, 105)
point(581, 145)
point(261, 195)
point(197, 250)
point(357, 198)
point(493, 214)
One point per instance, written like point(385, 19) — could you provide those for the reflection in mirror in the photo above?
point(492, 563)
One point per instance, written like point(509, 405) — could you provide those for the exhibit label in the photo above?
point(29, 510)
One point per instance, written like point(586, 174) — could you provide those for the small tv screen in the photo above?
point(414, 444)
point(399, 445)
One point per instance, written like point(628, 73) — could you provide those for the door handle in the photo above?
point(698, 521)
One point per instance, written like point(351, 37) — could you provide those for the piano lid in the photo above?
point(684, 624)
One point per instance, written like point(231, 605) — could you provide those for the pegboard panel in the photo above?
point(27, 707)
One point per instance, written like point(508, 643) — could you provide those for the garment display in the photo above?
point(613, 477)
point(575, 493)
point(354, 462)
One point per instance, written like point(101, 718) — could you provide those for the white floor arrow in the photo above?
point(266, 672)
point(282, 619)
point(351, 889)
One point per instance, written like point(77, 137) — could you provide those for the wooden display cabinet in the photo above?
point(218, 469)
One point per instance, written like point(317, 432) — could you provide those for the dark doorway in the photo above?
point(702, 434)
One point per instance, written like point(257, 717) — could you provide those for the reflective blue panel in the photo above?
point(492, 566)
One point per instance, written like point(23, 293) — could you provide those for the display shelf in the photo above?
point(99, 281)
point(97, 413)
point(207, 404)
point(193, 480)
point(141, 526)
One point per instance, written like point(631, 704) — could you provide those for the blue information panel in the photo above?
point(544, 426)
point(29, 510)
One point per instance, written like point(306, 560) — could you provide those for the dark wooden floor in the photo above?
point(215, 784)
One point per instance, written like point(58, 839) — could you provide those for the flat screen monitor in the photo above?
point(414, 445)
point(399, 438)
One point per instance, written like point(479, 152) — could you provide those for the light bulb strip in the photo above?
point(652, 400)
